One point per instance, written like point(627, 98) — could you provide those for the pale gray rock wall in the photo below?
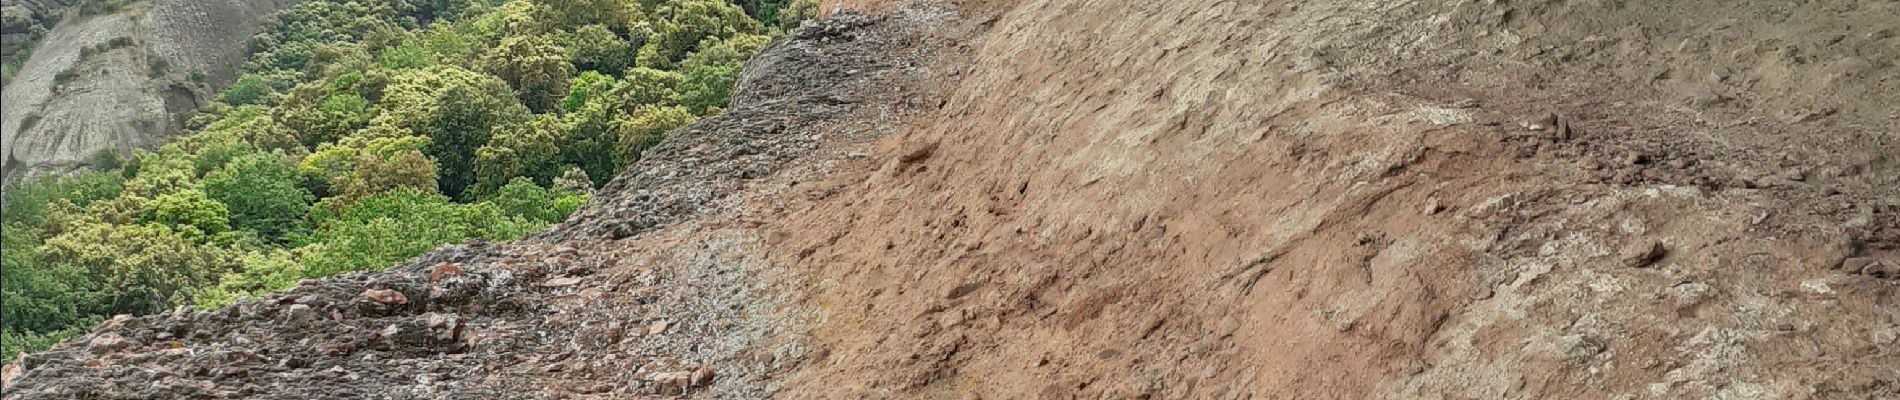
point(115, 103)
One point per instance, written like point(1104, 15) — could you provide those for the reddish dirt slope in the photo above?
point(1209, 199)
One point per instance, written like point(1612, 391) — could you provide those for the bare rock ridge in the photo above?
point(574, 313)
point(116, 100)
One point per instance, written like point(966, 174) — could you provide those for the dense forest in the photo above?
point(365, 132)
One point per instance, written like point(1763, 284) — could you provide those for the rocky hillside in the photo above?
point(1186, 199)
point(115, 79)
point(633, 299)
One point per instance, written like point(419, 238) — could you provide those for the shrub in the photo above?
point(64, 77)
point(521, 198)
point(378, 231)
point(26, 201)
point(157, 67)
point(598, 49)
point(250, 89)
point(262, 195)
point(405, 56)
point(106, 160)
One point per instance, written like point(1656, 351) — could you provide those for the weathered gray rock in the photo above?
point(116, 102)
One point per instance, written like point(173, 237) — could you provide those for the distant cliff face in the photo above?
point(118, 80)
point(23, 22)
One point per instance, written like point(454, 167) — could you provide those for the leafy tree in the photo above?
point(794, 14)
point(26, 202)
point(331, 162)
point(294, 56)
point(259, 273)
point(339, 115)
point(646, 127)
point(386, 164)
point(456, 109)
point(453, 43)
point(575, 180)
point(239, 131)
point(680, 26)
point(464, 126)
point(730, 51)
point(708, 88)
point(649, 6)
point(647, 86)
point(333, 59)
point(38, 296)
point(586, 87)
point(528, 149)
point(250, 89)
point(326, 111)
point(519, 17)
point(224, 118)
point(388, 114)
point(193, 214)
point(536, 66)
point(167, 170)
point(210, 150)
point(405, 55)
point(591, 139)
point(598, 49)
point(262, 195)
point(380, 230)
point(13, 343)
point(711, 72)
point(611, 13)
point(521, 198)
point(594, 138)
point(413, 99)
point(140, 268)
point(266, 134)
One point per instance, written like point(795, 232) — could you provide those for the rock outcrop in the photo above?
point(67, 104)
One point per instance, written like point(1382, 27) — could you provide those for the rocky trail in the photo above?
point(1187, 199)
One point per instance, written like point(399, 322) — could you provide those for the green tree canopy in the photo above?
point(378, 231)
point(455, 109)
point(521, 198)
point(680, 26)
point(646, 127)
point(195, 214)
point(523, 150)
point(586, 87)
point(536, 66)
point(598, 49)
point(262, 195)
point(386, 164)
point(140, 268)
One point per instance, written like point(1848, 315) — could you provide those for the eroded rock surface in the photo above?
point(114, 101)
